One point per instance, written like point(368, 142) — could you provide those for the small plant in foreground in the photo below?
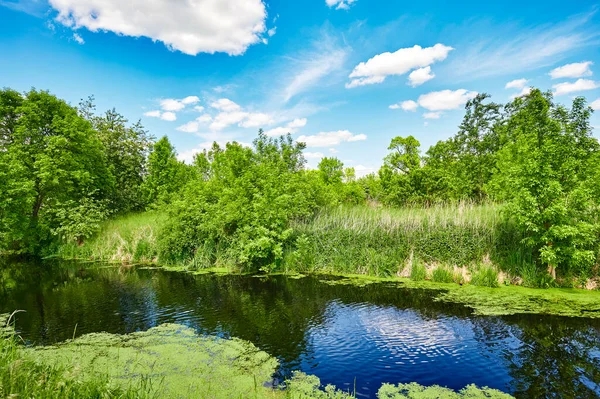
point(418, 271)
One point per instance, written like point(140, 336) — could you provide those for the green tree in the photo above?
point(127, 149)
point(166, 175)
point(544, 172)
point(331, 171)
point(240, 211)
point(399, 172)
point(52, 159)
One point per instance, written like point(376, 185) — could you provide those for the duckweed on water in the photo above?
point(505, 300)
point(174, 358)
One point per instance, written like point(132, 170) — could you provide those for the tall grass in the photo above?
point(382, 242)
point(129, 238)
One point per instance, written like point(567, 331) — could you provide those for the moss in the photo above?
point(172, 359)
point(416, 391)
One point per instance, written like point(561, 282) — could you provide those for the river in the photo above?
point(349, 336)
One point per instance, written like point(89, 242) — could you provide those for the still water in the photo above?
point(348, 336)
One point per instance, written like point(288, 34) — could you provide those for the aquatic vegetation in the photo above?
point(173, 358)
point(416, 391)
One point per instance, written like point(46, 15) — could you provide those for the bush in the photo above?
point(418, 271)
point(442, 275)
point(241, 208)
point(485, 277)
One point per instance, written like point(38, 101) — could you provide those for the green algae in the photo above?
point(504, 300)
point(416, 391)
point(173, 359)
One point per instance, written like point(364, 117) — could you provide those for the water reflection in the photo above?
point(348, 336)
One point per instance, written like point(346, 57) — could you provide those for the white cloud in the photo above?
point(291, 127)
point(408, 105)
point(420, 76)
point(297, 123)
point(190, 100)
point(199, 108)
point(445, 100)
point(432, 115)
point(574, 70)
point(168, 116)
point(192, 26)
point(312, 67)
point(272, 31)
point(516, 84)
point(507, 49)
point(328, 139)
point(257, 120)
point(333, 151)
point(153, 114)
point(190, 127)
point(595, 105)
point(573, 87)
point(78, 38)
point(225, 105)
point(313, 155)
point(340, 4)
point(206, 118)
point(225, 119)
point(376, 69)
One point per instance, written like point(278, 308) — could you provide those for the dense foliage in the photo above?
point(63, 170)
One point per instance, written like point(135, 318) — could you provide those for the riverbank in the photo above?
point(384, 245)
point(169, 361)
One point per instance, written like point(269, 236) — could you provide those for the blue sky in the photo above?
point(346, 76)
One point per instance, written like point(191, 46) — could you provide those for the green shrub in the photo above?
point(418, 272)
point(442, 275)
point(485, 276)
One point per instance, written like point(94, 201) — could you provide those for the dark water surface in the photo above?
point(348, 336)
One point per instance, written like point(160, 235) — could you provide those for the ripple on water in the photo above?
point(387, 344)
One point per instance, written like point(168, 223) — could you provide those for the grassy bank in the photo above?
point(126, 239)
point(168, 361)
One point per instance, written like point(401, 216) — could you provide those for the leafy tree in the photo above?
point(127, 149)
point(52, 159)
point(240, 211)
point(166, 175)
point(331, 171)
point(544, 172)
point(399, 171)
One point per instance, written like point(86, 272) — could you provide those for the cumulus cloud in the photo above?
point(596, 105)
point(225, 105)
point(376, 69)
point(153, 114)
point(199, 108)
point(340, 4)
point(174, 105)
point(445, 100)
point(420, 76)
point(436, 101)
point(408, 105)
point(292, 127)
point(192, 26)
point(573, 87)
point(165, 116)
point(516, 84)
point(190, 127)
point(432, 115)
point(574, 70)
point(257, 120)
point(168, 116)
point(329, 139)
